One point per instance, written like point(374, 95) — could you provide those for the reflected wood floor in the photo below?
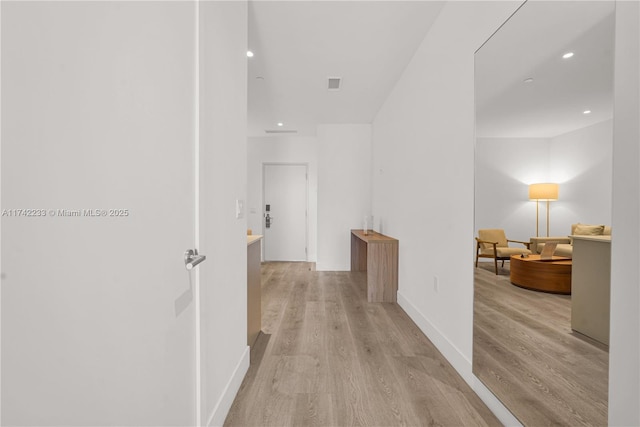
point(526, 353)
point(327, 357)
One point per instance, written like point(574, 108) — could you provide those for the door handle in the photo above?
point(191, 258)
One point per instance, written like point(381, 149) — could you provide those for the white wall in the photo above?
point(504, 168)
point(223, 162)
point(281, 149)
point(344, 190)
point(624, 343)
point(580, 161)
point(423, 143)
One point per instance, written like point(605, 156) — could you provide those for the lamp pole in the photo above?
point(537, 221)
point(547, 218)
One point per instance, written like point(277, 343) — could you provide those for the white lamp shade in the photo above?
point(544, 191)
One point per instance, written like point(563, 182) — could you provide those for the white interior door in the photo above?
point(285, 203)
point(98, 106)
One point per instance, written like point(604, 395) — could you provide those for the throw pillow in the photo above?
point(588, 230)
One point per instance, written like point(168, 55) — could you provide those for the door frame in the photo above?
point(197, 327)
point(306, 203)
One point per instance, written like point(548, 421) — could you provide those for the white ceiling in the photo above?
point(299, 44)
point(531, 44)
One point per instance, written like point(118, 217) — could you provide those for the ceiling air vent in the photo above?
point(334, 83)
point(280, 131)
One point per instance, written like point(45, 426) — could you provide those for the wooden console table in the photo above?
point(254, 294)
point(376, 254)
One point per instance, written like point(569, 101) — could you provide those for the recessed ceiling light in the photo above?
point(280, 124)
point(280, 131)
point(249, 54)
point(529, 80)
point(567, 55)
point(586, 112)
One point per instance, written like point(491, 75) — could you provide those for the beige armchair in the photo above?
point(493, 243)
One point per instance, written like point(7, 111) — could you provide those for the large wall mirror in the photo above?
point(544, 114)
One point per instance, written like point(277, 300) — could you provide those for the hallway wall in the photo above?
point(344, 190)
point(423, 181)
point(423, 149)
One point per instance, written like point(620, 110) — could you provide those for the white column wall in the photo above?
point(223, 180)
point(624, 341)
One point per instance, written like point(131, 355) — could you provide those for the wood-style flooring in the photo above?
point(327, 357)
point(526, 353)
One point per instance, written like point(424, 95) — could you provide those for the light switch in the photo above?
point(239, 209)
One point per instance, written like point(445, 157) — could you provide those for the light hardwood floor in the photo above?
point(526, 353)
point(327, 357)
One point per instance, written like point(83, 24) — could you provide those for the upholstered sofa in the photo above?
point(565, 244)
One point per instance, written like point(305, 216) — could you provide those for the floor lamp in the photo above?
point(546, 192)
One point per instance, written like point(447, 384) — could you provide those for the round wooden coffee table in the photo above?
point(552, 276)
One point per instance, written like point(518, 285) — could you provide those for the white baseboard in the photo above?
point(493, 403)
point(459, 362)
point(220, 411)
point(446, 347)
